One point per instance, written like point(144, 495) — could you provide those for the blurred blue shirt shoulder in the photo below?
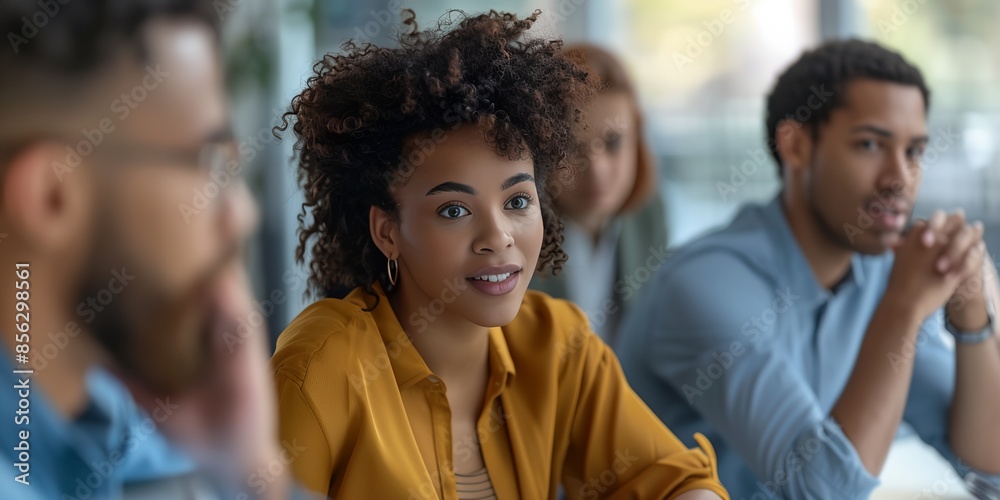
point(112, 444)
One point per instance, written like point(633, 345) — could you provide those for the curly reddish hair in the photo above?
point(367, 117)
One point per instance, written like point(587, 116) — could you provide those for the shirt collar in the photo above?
point(407, 365)
point(501, 364)
point(110, 423)
point(793, 268)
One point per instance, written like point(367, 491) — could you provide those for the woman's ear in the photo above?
point(385, 231)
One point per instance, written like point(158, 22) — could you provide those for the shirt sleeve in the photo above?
point(618, 447)
point(701, 340)
point(931, 391)
point(303, 437)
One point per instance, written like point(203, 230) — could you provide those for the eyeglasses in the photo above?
point(211, 157)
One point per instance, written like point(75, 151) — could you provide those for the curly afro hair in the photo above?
point(830, 67)
point(365, 119)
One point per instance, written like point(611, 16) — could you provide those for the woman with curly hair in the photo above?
point(426, 170)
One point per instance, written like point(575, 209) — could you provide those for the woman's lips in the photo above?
point(504, 284)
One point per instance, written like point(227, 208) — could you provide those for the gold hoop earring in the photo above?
point(390, 268)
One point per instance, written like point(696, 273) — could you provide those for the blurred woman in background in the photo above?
point(615, 222)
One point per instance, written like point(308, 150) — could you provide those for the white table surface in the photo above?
point(914, 471)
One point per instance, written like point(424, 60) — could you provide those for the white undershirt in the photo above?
point(591, 272)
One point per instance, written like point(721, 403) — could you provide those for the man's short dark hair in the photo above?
point(824, 72)
point(52, 49)
point(79, 35)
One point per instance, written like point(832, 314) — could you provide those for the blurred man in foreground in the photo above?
point(114, 115)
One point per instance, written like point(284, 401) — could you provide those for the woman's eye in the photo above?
point(519, 202)
point(453, 212)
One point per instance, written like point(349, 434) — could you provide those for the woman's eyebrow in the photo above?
point(458, 187)
point(455, 187)
point(516, 179)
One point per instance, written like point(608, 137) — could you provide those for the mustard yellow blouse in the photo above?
point(370, 420)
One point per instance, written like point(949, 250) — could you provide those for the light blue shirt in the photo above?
point(734, 338)
point(111, 445)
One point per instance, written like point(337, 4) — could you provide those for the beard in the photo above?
point(155, 341)
point(828, 227)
